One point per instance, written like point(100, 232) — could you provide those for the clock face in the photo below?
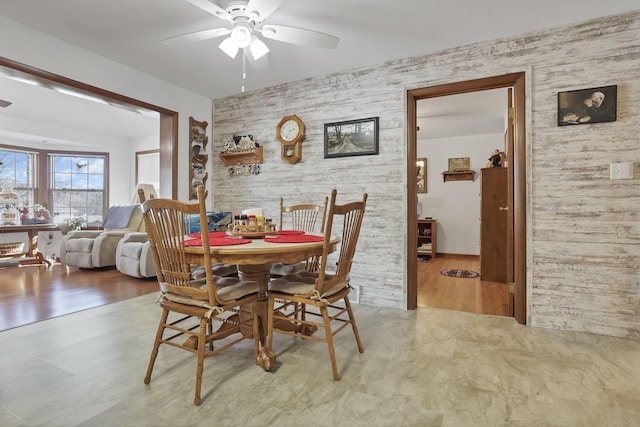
point(289, 130)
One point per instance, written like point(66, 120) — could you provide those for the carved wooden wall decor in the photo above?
point(197, 157)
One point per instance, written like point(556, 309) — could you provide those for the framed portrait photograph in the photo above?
point(351, 138)
point(421, 168)
point(584, 106)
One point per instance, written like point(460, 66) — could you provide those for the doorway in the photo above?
point(516, 160)
point(168, 144)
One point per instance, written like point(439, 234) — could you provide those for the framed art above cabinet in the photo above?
point(197, 157)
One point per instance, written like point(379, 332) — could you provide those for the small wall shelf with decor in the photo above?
point(458, 176)
point(428, 237)
point(458, 170)
point(232, 158)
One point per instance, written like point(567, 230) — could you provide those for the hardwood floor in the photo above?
point(436, 290)
point(32, 293)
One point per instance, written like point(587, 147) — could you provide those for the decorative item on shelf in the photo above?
point(41, 214)
point(458, 164)
point(9, 199)
point(249, 169)
point(458, 170)
point(242, 154)
point(76, 223)
point(496, 160)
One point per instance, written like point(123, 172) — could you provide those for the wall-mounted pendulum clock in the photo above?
point(290, 133)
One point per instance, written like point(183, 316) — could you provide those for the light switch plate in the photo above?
point(621, 170)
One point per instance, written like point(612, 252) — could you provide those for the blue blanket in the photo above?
point(119, 216)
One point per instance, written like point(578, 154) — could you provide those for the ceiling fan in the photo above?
point(246, 19)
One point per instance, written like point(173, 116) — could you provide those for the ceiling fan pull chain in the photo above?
point(244, 73)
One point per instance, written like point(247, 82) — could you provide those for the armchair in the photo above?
point(134, 257)
point(97, 248)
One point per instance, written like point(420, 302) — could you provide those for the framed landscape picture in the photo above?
point(351, 138)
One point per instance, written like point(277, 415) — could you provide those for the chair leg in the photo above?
point(352, 320)
point(332, 352)
point(156, 345)
point(303, 316)
point(210, 326)
point(201, 345)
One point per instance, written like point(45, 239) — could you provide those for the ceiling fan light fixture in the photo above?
point(258, 48)
point(241, 35)
point(229, 46)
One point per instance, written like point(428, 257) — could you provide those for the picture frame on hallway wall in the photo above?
point(351, 138)
point(586, 106)
point(421, 168)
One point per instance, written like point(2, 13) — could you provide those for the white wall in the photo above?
point(455, 204)
point(24, 45)
point(582, 228)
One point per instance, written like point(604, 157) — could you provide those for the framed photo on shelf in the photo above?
point(458, 164)
point(584, 106)
point(421, 168)
point(351, 138)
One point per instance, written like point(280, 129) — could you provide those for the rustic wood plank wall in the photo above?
point(583, 230)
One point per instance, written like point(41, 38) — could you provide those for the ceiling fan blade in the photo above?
point(212, 8)
point(299, 36)
point(259, 10)
point(201, 35)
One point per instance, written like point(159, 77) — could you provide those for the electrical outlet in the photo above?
point(354, 295)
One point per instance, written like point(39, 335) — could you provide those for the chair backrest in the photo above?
point(351, 215)
point(143, 191)
point(148, 192)
point(165, 225)
point(304, 216)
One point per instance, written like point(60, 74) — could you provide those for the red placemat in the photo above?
point(297, 238)
point(289, 232)
point(212, 234)
point(218, 241)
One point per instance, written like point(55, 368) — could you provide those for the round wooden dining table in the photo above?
point(254, 260)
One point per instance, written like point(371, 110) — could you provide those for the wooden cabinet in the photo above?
point(428, 237)
point(494, 217)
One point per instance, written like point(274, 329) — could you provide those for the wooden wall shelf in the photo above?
point(242, 157)
point(458, 176)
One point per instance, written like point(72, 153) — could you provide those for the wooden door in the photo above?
point(494, 214)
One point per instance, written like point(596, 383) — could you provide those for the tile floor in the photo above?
point(427, 367)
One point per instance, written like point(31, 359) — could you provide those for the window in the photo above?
point(77, 187)
point(18, 173)
point(68, 184)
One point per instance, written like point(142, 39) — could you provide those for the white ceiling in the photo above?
point(131, 32)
